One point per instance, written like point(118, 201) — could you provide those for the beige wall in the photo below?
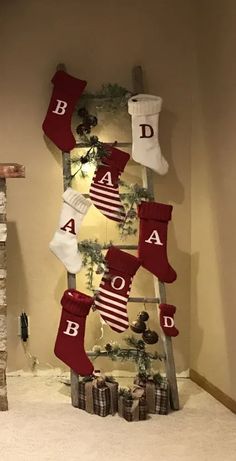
point(213, 315)
point(98, 41)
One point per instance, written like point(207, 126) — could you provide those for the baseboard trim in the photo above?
point(213, 390)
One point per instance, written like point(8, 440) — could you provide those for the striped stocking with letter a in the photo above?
point(112, 297)
point(104, 190)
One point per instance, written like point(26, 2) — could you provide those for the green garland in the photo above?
point(92, 259)
point(132, 197)
point(141, 379)
point(110, 97)
point(94, 155)
point(136, 353)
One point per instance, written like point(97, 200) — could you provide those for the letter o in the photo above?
point(114, 281)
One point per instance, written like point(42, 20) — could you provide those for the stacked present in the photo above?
point(132, 404)
point(156, 391)
point(98, 395)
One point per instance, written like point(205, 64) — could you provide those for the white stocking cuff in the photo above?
point(144, 104)
point(76, 200)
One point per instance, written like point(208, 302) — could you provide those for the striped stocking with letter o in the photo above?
point(111, 299)
point(104, 190)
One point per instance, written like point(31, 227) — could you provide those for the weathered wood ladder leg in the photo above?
point(159, 287)
point(160, 293)
point(6, 171)
point(71, 278)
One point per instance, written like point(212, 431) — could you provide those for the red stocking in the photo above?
point(69, 345)
point(167, 312)
point(152, 247)
point(57, 123)
point(104, 190)
point(113, 294)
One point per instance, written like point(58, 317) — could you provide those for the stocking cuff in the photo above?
point(72, 85)
point(155, 211)
point(167, 309)
point(121, 261)
point(116, 158)
point(144, 104)
point(76, 303)
point(76, 200)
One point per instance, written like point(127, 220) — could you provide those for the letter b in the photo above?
point(72, 328)
point(60, 108)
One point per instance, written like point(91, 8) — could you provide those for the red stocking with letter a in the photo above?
point(152, 246)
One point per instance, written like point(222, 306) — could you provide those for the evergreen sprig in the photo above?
point(94, 155)
point(126, 393)
point(131, 197)
point(92, 259)
point(136, 353)
point(111, 97)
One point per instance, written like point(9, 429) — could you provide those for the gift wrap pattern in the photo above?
point(128, 411)
point(157, 396)
point(98, 398)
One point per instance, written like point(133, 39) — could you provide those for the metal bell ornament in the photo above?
point(138, 326)
point(144, 316)
point(150, 337)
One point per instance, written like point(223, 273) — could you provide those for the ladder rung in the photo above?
point(144, 300)
point(139, 299)
point(122, 247)
point(105, 353)
point(88, 196)
point(114, 143)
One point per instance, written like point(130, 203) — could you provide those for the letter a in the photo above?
point(106, 178)
point(154, 238)
point(69, 225)
point(144, 132)
point(72, 328)
point(61, 107)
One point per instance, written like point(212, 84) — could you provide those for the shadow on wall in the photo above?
point(179, 296)
point(56, 153)
point(169, 186)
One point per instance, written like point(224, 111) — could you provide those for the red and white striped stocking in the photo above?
point(104, 190)
point(111, 299)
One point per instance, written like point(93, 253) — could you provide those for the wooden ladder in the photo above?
point(160, 292)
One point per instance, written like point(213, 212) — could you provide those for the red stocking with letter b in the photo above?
point(69, 346)
point(57, 123)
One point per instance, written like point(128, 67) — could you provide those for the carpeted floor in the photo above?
point(42, 425)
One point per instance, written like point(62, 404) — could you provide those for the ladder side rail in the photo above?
point(147, 177)
point(71, 278)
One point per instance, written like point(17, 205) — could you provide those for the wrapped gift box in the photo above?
point(98, 396)
point(132, 404)
point(156, 392)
